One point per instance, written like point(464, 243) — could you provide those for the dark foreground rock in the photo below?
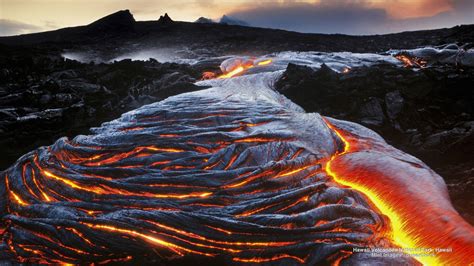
point(44, 97)
point(428, 112)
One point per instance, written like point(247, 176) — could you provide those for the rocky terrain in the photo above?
point(44, 97)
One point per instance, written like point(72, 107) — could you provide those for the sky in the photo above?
point(357, 17)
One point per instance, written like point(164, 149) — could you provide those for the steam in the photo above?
point(159, 54)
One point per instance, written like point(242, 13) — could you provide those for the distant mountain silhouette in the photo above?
point(118, 20)
point(165, 19)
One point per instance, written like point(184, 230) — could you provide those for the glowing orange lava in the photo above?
point(148, 238)
point(261, 260)
point(208, 75)
point(434, 224)
point(242, 68)
point(411, 61)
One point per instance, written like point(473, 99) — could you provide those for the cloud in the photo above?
point(463, 7)
point(12, 27)
point(355, 17)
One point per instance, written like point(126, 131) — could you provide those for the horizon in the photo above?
point(352, 17)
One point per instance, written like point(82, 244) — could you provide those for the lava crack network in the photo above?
point(215, 175)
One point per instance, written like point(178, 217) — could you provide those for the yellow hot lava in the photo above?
point(408, 229)
point(234, 72)
point(264, 63)
point(243, 67)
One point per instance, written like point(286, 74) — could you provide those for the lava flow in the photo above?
point(396, 187)
point(232, 176)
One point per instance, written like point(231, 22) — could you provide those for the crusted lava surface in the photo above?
point(194, 175)
point(222, 176)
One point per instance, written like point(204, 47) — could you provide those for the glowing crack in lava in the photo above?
point(235, 174)
point(411, 61)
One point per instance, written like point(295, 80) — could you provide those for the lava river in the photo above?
point(234, 174)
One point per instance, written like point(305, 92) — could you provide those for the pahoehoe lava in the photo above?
point(235, 176)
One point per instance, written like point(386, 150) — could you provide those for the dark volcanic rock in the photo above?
point(394, 104)
point(43, 97)
point(371, 112)
point(428, 112)
point(119, 20)
point(165, 19)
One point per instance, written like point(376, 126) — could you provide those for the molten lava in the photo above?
point(208, 75)
point(236, 71)
point(239, 177)
point(382, 182)
point(236, 66)
point(411, 61)
point(264, 62)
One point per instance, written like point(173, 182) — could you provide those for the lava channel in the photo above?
point(225, 176)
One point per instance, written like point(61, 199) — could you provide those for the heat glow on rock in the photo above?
point(235, 174)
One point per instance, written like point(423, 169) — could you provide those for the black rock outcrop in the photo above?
point(165, 19)
point(117, 21)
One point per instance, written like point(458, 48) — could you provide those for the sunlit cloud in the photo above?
point(357, 17)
